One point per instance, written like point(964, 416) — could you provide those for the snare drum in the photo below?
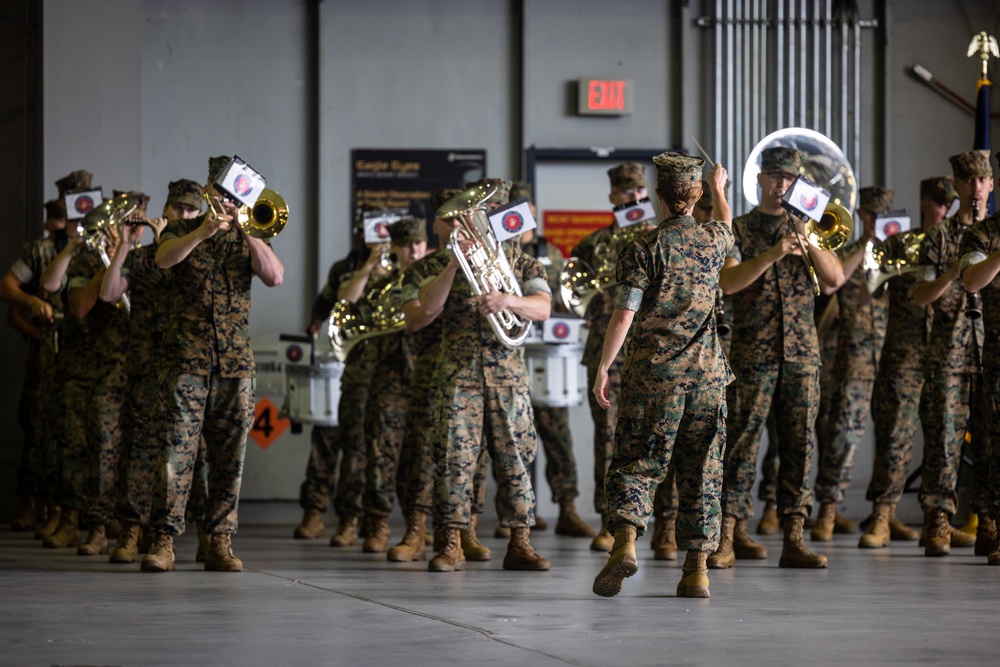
point(313, 392)
point(556, 374)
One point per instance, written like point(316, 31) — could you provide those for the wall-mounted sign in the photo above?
point(604, 97)
point(407, 179)
point(567, 228)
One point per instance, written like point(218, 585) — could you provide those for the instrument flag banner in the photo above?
point(512, 220)
point(805, 200)
point(377, 225)
point(635, 212)
point(82, 202)
point(240, 182)
point(561, 330)
point(892, 222)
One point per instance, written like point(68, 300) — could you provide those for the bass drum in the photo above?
point(557, 378)
point(313, 392)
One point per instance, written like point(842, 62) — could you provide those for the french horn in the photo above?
point(884, 261)
point(378, 314)
point(106, 218)
point(825, 164)
point(484, 263)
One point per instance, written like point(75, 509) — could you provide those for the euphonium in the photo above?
point(579, 282)
point(483, 262)
point(883, 261)
point(378, 314)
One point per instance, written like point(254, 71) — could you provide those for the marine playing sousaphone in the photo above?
point(826, 165)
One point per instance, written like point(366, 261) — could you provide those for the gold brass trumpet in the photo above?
point(484, 263)
point(264, 220)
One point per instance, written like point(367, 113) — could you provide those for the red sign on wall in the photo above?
point(567, 228)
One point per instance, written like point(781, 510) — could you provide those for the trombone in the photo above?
point(264, 220)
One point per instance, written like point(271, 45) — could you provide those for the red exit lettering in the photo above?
point(606, 95)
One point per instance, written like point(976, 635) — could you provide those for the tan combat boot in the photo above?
point(127, 549)
point(204, 545)
point(822, 530)
point(898, 530)
point(794, 552)
point(994, 557)
point(220, 555)
point(520, 555)
point(694, 583)
point(622, 563)
point(937, 533)
point(311, 527)
point(878, 533)
point(413, 547)
point(450, 558)
point(603, 541)
point(570, 523)
point(377, 535)
point(724, 557)
point(842, 525)
point(52, 514)
point(986, 535)
point(744, 546)
point(769, 524)
point(540, 523)
point(67, 534)
point(96, 543)
point(27, 518)
point(961, 539)
point(347, 532)
point(501, 532)
point(161, 554)
point(473, 549)
point(665, 538)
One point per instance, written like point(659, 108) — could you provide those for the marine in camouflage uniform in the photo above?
point(860, 336)
point(324, 453)
point(109, 324)
point(600, 250)
point(775, 356)
point(483, 397)
point(673, 402)
point(208, 391)
point(37, 315)
point(553, 422)
point(952, 371)
point(392, 357)
point(980, 263)
point(898, 384)
point(149, 291)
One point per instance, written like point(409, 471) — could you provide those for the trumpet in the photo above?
point(484, 263)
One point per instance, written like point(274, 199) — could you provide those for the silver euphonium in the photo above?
point(484, 263)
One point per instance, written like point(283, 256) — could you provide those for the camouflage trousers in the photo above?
point(950, 404)
point(385, 426)
point(686, 432)
point(141, 456)
point(104, 437)
point(221, 411)
point(845, 426)
point(895, 401)
point(991, 405)
point(321, 471)
point(794, 391)
point(665, 500)
point(72, 452)
point(767, 490)
point(560, 465)
point(36, 474)
point(500, 418)
point(604, 429)
point(353, 450)
point(416, 463)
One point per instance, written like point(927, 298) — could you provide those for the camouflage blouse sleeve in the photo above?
point(930, 253)
point(633, 277)
point(976, 244)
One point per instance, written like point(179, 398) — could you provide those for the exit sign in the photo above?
point(604, 97)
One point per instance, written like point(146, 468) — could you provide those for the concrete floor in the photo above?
point(302, 602)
